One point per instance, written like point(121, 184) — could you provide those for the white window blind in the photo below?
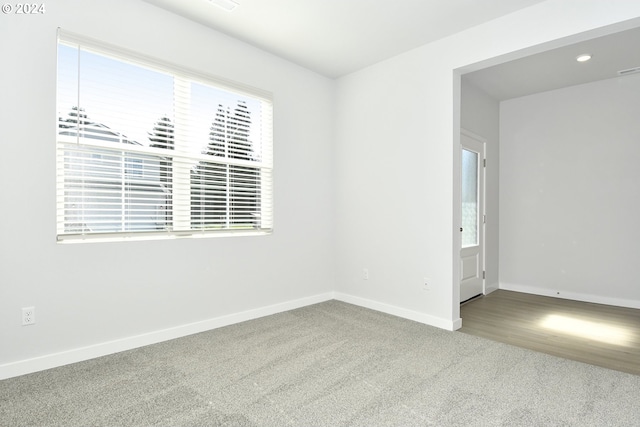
point(147, 148)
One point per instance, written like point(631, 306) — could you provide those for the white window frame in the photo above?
point(181, 224)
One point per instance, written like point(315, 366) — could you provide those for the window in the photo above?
point(146, 148)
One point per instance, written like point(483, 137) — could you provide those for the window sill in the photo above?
point(132, 237)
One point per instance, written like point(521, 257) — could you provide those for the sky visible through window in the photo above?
point(130, 99)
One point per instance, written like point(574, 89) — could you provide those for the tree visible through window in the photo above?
point(143, 147)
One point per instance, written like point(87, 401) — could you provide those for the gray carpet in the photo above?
point(330, 364)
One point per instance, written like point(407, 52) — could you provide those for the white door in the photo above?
point(472, 227)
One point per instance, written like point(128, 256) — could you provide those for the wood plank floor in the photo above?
point(597, 334)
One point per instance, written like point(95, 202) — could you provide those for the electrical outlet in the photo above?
point(28, 316)
point(365, 274)
point(426, 284)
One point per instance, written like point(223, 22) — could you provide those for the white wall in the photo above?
point(91, 299)
point(480, 114)
point(569, 199)
point(396, 156)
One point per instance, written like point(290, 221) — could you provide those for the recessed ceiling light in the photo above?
point(227, 5)
point(583, 58)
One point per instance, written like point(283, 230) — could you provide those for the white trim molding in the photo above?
point(41, 363)
point(48, 361)
point(404, 313)
point(577, 296)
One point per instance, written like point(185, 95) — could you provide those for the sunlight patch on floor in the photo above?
point(586, 329)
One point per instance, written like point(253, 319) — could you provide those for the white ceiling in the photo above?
point(337, 37)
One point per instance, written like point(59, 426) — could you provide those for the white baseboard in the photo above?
point(49, 361)
point(577, 296)
point(427, 319)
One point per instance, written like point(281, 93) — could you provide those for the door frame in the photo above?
point(482, 214)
